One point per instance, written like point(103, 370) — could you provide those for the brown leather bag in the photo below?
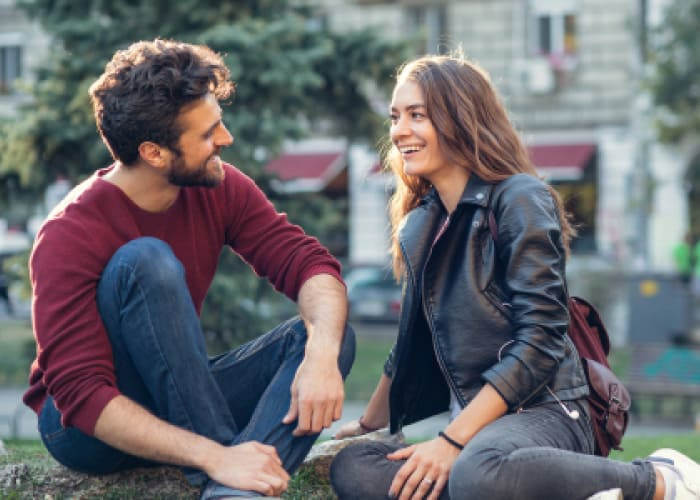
point(609, 400)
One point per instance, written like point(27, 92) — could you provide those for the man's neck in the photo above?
point(146, 186)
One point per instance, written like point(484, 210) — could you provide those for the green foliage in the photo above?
point(643, 446)
point(293, 78)
point(675, 83)
point(370, 357)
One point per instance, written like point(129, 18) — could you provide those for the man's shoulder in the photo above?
point(70, 217)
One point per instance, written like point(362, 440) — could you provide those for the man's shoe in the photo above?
point(614, 494)
point(681, 474)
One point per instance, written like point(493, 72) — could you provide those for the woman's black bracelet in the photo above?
point(450, 440)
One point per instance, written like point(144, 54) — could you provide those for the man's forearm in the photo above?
point(248, 466)
point(129, 427)
point(323, 306)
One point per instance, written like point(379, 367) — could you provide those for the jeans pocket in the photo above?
point(54, 437)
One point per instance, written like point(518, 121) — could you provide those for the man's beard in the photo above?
point(184, 176)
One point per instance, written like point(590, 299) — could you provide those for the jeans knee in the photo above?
point(151, 259)
point(347, 351)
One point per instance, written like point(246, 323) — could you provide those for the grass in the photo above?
point(642, 446)
point(369, 364)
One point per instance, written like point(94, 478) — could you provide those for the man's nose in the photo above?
point(224, 138)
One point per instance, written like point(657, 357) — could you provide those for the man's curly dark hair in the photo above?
point(144, 88)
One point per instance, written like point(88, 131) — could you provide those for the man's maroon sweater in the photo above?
point(74, 358)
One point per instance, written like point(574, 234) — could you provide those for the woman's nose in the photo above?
point(399, 129)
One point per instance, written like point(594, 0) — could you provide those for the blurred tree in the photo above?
point(675, 86)
point(675, 80)
point(294, 78)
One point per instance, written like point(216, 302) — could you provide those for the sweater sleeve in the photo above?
point(74, 356)
point(265, 239)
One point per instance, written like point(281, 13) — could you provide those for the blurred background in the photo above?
point(605, 92)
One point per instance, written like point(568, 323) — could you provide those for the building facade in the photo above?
point(570, 75)
point(22, 46)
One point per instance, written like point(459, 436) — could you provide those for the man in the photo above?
point(120, 270)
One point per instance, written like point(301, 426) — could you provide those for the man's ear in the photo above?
point(154, 154)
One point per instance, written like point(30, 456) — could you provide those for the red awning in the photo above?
point(306, 171)
point(560, 162)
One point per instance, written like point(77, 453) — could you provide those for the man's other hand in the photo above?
point(317, 396)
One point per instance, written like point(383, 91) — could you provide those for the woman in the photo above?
point(483, 320)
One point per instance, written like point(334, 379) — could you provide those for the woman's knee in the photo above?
point(360, 471)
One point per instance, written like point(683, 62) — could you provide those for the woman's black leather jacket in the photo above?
point(476, 310)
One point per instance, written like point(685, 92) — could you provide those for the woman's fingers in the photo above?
point(402, 453)
point(439, 485)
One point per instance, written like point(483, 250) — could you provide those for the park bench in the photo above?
point(659, 372)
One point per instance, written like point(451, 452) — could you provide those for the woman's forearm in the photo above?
point(487, 406)
point(376, 413)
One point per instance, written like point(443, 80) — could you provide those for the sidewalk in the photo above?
point(16, 420)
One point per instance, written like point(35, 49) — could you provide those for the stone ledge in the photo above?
point(46, 479)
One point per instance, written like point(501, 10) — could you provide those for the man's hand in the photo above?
point(317, 396)
point(249, 466)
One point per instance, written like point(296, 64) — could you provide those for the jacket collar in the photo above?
point(477, 192)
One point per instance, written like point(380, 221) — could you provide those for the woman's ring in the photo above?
point(427, 480)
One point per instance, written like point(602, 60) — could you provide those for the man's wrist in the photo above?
point(206, 453)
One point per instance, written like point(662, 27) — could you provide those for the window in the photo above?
point(429, 21)
point(10, 67)
point(553, 28)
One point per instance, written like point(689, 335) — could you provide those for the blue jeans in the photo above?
point(538, 453)
point(161, 362)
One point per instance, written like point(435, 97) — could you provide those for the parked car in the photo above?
point(373, 294)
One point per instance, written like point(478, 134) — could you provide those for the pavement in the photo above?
point(16, 420)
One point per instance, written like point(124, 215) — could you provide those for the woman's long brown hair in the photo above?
point(473, 131)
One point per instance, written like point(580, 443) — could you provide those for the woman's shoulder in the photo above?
point(523, 193)
point(521, 181)
point(521, 186)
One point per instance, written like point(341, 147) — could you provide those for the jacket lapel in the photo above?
point(416, 233)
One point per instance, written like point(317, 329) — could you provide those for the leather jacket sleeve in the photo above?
point(531, 257)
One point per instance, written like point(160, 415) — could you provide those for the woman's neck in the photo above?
point(451, 187)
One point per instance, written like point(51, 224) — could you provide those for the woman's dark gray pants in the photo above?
point(539, 453)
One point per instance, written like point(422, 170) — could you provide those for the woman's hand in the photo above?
point(350, 429)
point(426, 470)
